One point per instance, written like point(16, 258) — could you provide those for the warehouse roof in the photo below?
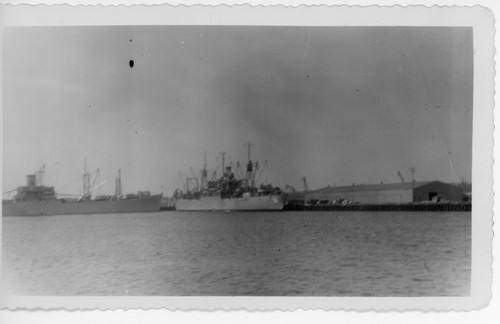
point(374, 187)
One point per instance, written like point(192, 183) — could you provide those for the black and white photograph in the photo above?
point(238, 160)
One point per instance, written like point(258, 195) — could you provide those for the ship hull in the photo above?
point(60, 207)
point(273, 202)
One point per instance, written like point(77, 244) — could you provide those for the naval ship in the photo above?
point(233, 191)
point(36, 199)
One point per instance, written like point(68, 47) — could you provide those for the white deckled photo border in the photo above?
point(477, 17)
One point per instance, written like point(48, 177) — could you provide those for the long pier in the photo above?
point(415, 207)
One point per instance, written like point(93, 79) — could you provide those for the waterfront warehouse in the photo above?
point(399, 193)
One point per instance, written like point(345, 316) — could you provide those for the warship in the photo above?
point(36, 199)
point(233, 191)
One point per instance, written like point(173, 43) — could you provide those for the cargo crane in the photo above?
point(401, 177)
point(304, 181)
point(87, 187)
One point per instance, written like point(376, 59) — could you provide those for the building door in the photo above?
point(432, 195)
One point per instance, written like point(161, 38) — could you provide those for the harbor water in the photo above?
point(242, 254)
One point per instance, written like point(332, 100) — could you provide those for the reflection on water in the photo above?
point(266, 254)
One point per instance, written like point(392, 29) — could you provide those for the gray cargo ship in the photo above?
point(35, 199)
point(249, 203)
point(234, 191)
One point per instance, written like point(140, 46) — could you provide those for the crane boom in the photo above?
point(401, 177)
point(306, 188)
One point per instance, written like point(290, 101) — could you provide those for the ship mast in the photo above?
point(86, 181)
point(204, 172)
point(249, 148)
point(39, 176)
point(250, 174)
point(223, 155)
point(118, 185)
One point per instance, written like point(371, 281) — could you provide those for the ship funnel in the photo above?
point(31, 180)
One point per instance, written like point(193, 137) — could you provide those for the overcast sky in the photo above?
point(338, 105)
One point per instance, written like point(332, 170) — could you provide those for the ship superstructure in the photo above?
point(235, 190)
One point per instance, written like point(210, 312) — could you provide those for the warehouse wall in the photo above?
point(443, 190)
point(382, 196)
